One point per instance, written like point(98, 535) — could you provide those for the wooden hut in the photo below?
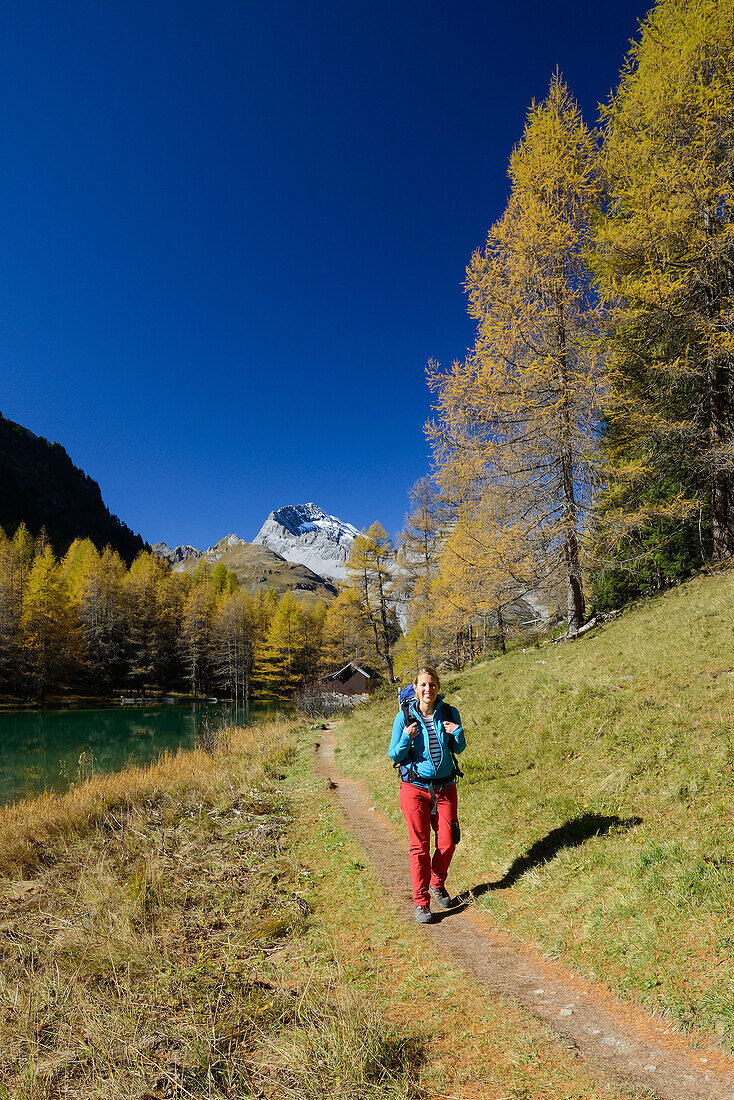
point(353, 683)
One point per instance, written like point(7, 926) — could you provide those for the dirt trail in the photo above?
point(628, 1043)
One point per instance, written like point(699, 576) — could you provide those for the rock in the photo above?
point(305, 534)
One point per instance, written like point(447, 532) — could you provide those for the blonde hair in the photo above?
point(430, 672)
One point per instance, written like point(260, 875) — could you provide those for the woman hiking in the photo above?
point(424, 737)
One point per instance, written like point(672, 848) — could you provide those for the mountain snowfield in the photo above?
point(300, 533)
point(304, 533)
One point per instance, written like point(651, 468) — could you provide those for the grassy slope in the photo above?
point(206, 928)
point(259, 569)
point(598, 801)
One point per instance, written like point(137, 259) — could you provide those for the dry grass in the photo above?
point(29, 827)
point(140, 959)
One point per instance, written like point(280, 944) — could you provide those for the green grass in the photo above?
point(598, 800)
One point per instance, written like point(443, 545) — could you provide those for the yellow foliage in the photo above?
point(519, 416)
point(370, 577)
point(664, 261)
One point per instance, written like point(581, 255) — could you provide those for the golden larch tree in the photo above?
point(51, 635)
point(419, 551)
point(519, 416)
point(666, 266)
point(370, 573)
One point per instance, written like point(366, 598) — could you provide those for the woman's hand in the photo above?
point(412, 729)
point(450, 726)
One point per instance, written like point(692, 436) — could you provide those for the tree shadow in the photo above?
point(569, 835)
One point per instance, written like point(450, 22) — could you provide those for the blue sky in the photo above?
point(234, 233)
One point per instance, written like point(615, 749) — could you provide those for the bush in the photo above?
point(312, 701)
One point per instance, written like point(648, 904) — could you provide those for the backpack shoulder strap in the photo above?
point(409, 763)
point(447, 715)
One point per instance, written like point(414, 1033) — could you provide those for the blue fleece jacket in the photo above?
point(404, 749)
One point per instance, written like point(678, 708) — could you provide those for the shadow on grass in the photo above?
point(569, 835)
point(461, 904)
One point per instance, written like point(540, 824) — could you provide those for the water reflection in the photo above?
point(48, 749)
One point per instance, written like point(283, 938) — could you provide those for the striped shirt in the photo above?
point(433, 743)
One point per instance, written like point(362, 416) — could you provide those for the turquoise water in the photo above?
point(49, 749)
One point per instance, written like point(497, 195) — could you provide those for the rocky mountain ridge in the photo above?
point(302, 534)
point(306, 534)
point(176, 556)
point(257, 567)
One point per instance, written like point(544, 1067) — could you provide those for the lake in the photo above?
point(50, 749)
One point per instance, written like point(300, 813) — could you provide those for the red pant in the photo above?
point(415, 802)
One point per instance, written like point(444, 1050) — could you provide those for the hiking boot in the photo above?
point(441, 896)
point(423, 914)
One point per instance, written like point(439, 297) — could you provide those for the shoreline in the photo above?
point(115, 701)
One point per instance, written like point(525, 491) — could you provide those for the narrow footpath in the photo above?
point(628, 1043)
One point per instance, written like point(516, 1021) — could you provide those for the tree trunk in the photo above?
point(719, 382)
point(501, 634)
point(386, 655)
point(722, 515)
point(722, 504)
point(576, 604)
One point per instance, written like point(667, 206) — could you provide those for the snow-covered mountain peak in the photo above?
point(301, 518)
point(305, 533)
point(301, 533)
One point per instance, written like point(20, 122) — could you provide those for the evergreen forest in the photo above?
point(41, 487)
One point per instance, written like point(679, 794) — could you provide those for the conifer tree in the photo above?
point(346, 634)
point(101, 611)
point(265, 605)
point(16, 559)
point(419, 551)
point(371, 578)
point(8, 618)
point(314, 620)
point(23, 554)
point(417, 648)
point(152, 613)
point(77, 565)
point(520, 414)
point(233, 643)
point(666, 265)
point(486, 566)
point(222, 579)
point(50, 641)
point(283, 663)
point(201, 572)
point(196, 635)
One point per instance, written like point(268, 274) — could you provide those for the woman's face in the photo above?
point(426, 689)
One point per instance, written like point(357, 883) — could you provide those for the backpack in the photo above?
point(406, 696)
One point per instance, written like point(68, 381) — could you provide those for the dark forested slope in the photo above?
point(41, 487)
